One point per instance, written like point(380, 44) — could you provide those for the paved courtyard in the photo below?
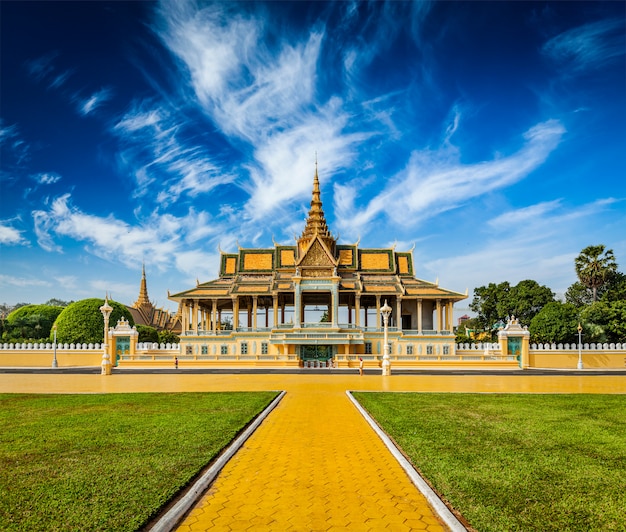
point(314, 463)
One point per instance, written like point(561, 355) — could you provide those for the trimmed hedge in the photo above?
point(82, 321)
point(31, 322)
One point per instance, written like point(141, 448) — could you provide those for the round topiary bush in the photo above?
point(31, 322)
point(82, 321)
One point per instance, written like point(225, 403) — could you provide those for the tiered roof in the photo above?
point(367, 271)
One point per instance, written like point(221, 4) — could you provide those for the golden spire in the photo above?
point(316, 222)
point(143, 298)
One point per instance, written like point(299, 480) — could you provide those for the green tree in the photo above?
point(54, 302)
point(465, 332)
point(594, 266)
point(527, 298)
point(493, 303)
point(168, 337)
point(605, 321)
point(30, 322)
point(82, 321)
point(615, 288)
point(490, 303)
point(147, 334)
point(579, 295)
point(556, 322)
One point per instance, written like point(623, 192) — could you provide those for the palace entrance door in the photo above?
point(316, 352)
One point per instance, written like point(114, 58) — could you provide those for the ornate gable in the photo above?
point(317, 256)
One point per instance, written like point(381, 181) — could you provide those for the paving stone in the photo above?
point(313, 464)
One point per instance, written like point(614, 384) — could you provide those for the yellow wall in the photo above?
point(31, 358)
point(569, 359)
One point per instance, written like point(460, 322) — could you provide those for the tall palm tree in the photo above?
point(593, 269)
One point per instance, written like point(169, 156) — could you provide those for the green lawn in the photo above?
point(516, 462)
point(108, 462)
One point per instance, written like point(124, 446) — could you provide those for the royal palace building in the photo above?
point(315, 303)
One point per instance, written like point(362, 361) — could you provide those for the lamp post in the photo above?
point(580, 347)
point(106, 310)
point(386, 312)
point(55, 364)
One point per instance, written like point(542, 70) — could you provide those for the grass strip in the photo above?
point(109, 462)
point(515, 462)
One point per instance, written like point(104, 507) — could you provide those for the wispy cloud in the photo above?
point(263, 95)
point(155, 150)
point(22, 282)
point(589, 46)
point(436, 181)
point(161, 237)
point(42, 67)
point(92, 103)
point(47, 178)
point(15, 150)
point(538, 242)
point(10, 236)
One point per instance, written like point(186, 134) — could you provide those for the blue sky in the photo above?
point(489, 136)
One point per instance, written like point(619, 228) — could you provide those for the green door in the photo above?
point(514, 348)
point(122, 347)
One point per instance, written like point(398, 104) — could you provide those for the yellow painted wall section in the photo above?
point(35, 358)
point(610, 359)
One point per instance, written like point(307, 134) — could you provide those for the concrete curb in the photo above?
point(438, 505)
point(175, 514)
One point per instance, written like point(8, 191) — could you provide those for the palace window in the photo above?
point(264, 348)
point(205, 349)
point(244, 348)
point(429, 349)
point(188, 350)
point(409, 349)
point(224, 349)
point(446, 349)
point(368, 348)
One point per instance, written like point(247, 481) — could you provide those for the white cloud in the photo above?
point(525, 215)
point(589, 46)
point(536, 242)
point(92, 103)
point(166, 239)
point(10, 236)
point(436, 181)
point(153, 152)
point(22, 282)
point(261, 94)
point(47, 178)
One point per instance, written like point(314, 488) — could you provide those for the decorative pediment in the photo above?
point(317, 255)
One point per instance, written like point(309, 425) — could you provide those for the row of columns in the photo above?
point(195, 317)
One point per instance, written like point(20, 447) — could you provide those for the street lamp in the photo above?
point(106, 310)
point(55, 364)
point(386, 312)
point(580, 347)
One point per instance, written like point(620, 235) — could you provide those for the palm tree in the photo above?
point(593, 269)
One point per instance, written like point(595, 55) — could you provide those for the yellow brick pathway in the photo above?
point(314, 464)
